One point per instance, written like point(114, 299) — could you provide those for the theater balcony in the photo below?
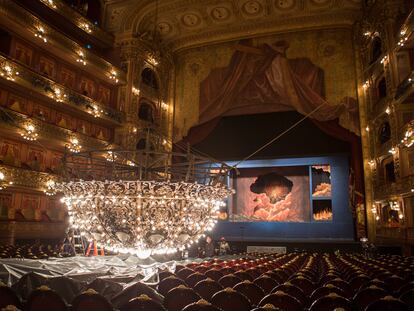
point(56, 136)
point(19, 21)
point(24, 79)
point(69, 19)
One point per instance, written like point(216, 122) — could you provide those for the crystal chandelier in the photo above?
point(143, 202)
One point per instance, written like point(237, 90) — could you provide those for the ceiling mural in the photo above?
point(189, 23)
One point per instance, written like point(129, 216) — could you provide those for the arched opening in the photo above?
point(146, 112)
point(142, 143)
point(376, 49)
point(384, 132)
point(149, 78)
point(382, 88)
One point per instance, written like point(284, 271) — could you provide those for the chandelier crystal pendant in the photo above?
point(161, 204)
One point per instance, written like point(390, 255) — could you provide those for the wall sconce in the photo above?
point(3, 183)
point(96, 111)
point(134, 129)
point(365, 85)
point(40, 33)
point(135, 91)
point(50, 187)
point(367, 128)
point(58, 95)
point(130, 163)
point(85, 27)
point(371, 163)
point(8, 72)
point(81, 58)
point(388, 110)
point(152, 59)
point(392, 150)
point(49, 3)
point(384, 59)
point(110, 156)
point(377, 218)
point(164, 105)
point(113, 75)
point(74, 146)
point(29, 133)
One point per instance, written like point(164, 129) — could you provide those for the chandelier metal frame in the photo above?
point(143, 202)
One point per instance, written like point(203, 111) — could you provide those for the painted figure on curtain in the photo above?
point(104, 95)
point(273, 194)
point(263, 79)
point(9, 153)
point(35, 159)
point(67, 77)
point(87, 87)
point(47, 67)
point(24, 54)
point(17, 104)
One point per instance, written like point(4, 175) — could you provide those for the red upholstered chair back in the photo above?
point(8, 297)
point(253, 292)
point(44, 296)
point(184, 273)
point(282, 300)
point(168, 284)
point(214, 274)
point(90, 300)
point(367, 296)
point(331, 302)
point(201, 305)
point(230, 300)
point(194, 278)
point(179, 297)
point(266, 283)
point(326, 290)
point(293, 291)
point(142, 303)
point(229, 280)
point(388, 303)
point(408, 298)
point(207, 288)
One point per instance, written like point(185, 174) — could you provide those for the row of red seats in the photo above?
point(31, 251)
point(262, 282)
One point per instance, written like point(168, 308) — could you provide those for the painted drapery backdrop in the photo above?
point(295, 71)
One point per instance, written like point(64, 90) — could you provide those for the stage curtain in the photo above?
point(262, 79)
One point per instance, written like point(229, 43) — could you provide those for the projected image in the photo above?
point(272, 194)
point(322, 210)
point(321, 181)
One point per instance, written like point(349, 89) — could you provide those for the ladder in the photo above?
point(78, 242)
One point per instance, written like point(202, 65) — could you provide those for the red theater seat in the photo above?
point(201, 305)
point(194, 278)
point(8, 297)
point(293, 291)
point(229, 280)
point(207, 288)
point(214, 274)
point(143, 303)
point(253, 292)
point(231, 300)
point(266, 283)
point(42, 297)
point(388, 303)
point(169, 283)
point(282, 300)
point(179, 297)
point(367, 296)
point(331, 302)
point(90, 300)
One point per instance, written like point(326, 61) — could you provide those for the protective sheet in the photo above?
point(119, 278)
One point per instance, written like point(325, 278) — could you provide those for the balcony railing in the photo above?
point(405, 87)
point(10, 119)
point(27, 178)
point(61, 94)
point(27, 25)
